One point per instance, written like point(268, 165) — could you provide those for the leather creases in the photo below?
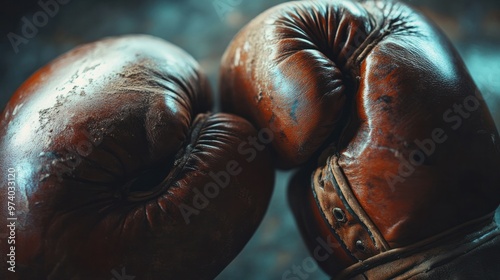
point(362, 240)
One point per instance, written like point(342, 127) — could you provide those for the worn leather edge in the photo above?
point(356, 207)
point(427, 254)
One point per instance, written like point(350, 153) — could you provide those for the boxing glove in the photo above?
point(398, 150)
point(114, 168)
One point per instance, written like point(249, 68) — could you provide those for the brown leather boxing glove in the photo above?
point(114, 166)
point(401, 154)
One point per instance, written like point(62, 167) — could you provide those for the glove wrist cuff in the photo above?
point(476, 240)
point(341, 211)
point(464, 246)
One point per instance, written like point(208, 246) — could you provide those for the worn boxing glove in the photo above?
point(113, 168)
point(401, 153)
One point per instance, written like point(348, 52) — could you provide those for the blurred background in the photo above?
point(204, 28)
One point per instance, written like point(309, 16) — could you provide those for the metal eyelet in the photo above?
point(339, 215)
point(360, 246)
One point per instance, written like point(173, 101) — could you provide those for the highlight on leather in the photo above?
point(117, 163)
point(376, 104)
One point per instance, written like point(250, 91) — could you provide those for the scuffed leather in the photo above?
point(469, 253)
point(363, 83)
point(108, 141)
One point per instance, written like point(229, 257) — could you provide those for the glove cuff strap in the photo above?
point(468, 243)
point(341, 210)
point(373, 257)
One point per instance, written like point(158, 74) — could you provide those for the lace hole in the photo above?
point(360, 245)
point(339, 215)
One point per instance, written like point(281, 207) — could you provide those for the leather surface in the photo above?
point(109, 142)
point(379, 87)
